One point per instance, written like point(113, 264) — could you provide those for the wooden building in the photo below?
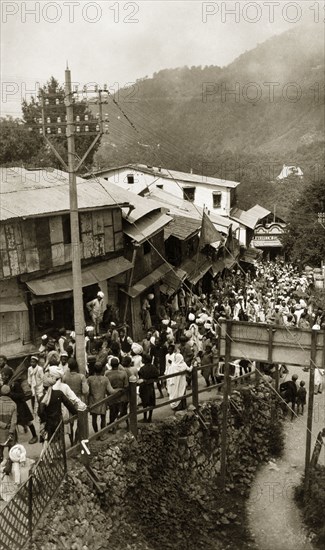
point(36, 248)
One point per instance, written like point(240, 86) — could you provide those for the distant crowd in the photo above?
point(184, 336)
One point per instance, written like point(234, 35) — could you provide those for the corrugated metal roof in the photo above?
point(182, 228)
point(250, 217)
point(180, 207)
point(171, 174)
point(146, 227)
point(27, 193)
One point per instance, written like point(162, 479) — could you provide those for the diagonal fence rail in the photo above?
point(21, 514)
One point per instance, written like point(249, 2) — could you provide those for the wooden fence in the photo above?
point(20, 516)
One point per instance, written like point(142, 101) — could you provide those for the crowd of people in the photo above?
point(185, 335)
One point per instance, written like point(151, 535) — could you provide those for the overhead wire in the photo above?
point(172, 268)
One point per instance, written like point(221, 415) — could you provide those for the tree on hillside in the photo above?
point(304, 239)
point(55, 110)
point(16, 145)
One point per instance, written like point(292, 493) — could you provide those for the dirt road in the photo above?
point(274, 519)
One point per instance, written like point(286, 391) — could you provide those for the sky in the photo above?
point(116, 42)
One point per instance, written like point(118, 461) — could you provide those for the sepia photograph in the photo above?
point(162, 275)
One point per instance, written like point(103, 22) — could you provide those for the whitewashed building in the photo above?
point(217, 195)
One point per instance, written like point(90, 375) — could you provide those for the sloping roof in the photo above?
point(182, 228)
point(146, 227)
point(180, 207)
point(170, 174)
point(172, 281)
point(196, 267)
point(250, 217)
point(259, 211)
point(26, 193)
point(148, 281)
point(94, 273)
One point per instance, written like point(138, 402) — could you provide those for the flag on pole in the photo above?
point(209, 234)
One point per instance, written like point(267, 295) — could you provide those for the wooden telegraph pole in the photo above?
point(79, 321)
point(67, 129)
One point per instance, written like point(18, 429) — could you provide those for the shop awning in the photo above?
point(172, 281)
point(12, 304)
point(196, 268)
point(94, 273)
point(148, 281)
point(147, 227)
point(217, 267)
point(250, 255)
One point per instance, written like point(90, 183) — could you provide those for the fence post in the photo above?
point(63, 447)
point(133, 406)
point(30, 506)
point(83, 426)
point(195, 388)
point(226, 391)
point(310, 410)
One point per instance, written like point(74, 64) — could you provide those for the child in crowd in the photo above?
point(301, 398)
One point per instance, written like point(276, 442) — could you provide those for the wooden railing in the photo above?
point(135, 410)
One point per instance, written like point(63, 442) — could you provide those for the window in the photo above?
point(189, 194)
point(216, 198)
point(146, 247)
point(233, 197)
point(66, 228)
point(130, 178)
point(160, 186)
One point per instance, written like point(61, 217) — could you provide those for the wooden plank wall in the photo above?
point(35, 244)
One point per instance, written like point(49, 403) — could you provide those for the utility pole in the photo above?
point(67, 128)
point(79, 321)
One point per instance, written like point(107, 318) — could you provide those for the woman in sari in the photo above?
point(176, 386)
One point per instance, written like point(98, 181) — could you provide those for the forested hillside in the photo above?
point(188, 118)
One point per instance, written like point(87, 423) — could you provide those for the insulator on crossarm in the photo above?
point(41, 130)
point(78, 129)
point(97, 115)
point(86, 128)
point(40, 121)
point(47, 102)
point(48, 120)
point(57, 101)
point(77, 118)
point(48, 130)
point(86, 117)
point(59, 131)
point(106, 117)
point(58, 119)
point(97, 128)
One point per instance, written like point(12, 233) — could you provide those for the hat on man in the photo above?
point(55, 371)
point(100, 294)
point(44, 337)
point(136, 348)
point(34, 357)
point(5, 390)
point(64, 354)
